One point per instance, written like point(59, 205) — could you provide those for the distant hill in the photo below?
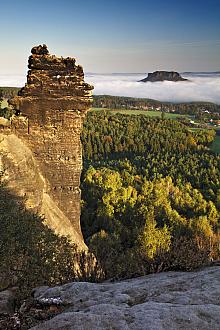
point(123, 102)
point(9, 92)
point(201, 72)
point(163, 75)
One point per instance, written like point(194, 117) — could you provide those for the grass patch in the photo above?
point(142, 112)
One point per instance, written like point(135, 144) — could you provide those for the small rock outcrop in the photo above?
point(172, 300)
point(7, 302)
point(163, 75)
point(52, 106)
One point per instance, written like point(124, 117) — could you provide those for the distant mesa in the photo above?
point(163, 75)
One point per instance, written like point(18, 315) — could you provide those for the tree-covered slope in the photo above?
point(151, 194)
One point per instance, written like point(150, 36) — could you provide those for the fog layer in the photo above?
point(200, 87)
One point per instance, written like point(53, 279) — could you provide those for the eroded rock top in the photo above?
point(40, 50)
point(52, 76)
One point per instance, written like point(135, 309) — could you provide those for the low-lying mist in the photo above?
point(11, 80)
point(200, 87)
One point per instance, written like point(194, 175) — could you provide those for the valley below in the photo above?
point(110, 165)
point(150, 194)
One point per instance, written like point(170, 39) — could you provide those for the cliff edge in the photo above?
point(41, 148)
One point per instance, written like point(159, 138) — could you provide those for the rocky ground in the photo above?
point(172, 300)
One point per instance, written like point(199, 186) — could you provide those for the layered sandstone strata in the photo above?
point(52, 106)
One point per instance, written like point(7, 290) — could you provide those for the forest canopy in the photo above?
point(151, 194)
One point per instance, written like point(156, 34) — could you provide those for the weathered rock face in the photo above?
point(22, 175)
point(53, 104)
point(163, 75)
point(173, 300)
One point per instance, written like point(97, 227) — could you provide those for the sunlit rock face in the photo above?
point(52, 106)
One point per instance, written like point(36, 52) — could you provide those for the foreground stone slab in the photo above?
point(173, 300)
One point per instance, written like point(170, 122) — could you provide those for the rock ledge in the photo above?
point(172, 300)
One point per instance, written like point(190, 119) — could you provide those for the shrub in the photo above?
point(31, 254)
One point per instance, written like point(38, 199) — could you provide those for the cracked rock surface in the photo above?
point(172, 300)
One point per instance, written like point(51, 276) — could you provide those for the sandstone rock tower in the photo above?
point(53, 104)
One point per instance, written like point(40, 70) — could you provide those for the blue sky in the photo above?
point(114, 36)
